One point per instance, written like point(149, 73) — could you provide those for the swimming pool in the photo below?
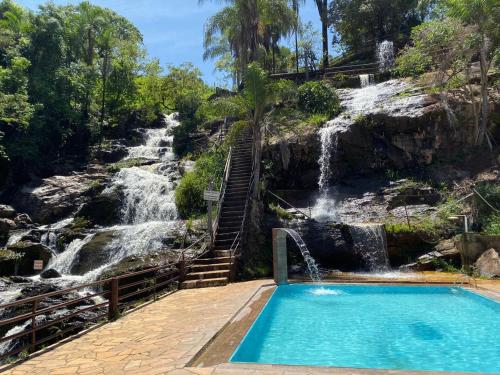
point(384, 327)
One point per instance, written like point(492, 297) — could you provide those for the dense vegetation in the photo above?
point(71, 76)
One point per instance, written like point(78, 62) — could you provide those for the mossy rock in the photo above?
point(29, 252)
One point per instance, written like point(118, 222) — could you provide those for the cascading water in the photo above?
point(366, 79)
point(148, 209)
point(370, 244)
point(312, 266)
point(372, 99)
point(385, 55)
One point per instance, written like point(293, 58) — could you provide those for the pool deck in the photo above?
point(171, 334)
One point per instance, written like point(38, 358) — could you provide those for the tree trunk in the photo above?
point(323, 14)
point(484, 95)
point(297, 20)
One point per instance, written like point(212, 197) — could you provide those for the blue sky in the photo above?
point(173, 29)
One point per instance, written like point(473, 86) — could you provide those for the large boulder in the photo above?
point(7, 212)
point(55, 197)
point(50, 274)
point(445, 256)
point(29, 252)
point(103, 209)
point(94, 253)
point(488, 264)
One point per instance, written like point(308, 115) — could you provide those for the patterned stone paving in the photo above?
point(162, 337)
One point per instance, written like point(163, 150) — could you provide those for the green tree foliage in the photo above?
point(484, 16)
point(15, 109)
point(360, 24)
point(318, 98)
point(246, 29)
point(68, 76)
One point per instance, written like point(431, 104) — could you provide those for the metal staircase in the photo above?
point(217, 267)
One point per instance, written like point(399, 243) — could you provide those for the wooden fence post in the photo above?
point(113, 311)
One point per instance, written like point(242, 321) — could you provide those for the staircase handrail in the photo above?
point(222, 189)
point(235, 246)
point(290, 205)
point(183, 252)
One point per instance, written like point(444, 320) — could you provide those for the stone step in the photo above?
point(228, 228)
point(210, 267)
point(204, 283)
point(216, 260)
point(222, 253)
point(207, 275)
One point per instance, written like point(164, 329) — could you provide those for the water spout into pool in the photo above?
point(312, 266)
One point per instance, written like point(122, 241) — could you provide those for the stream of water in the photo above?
point(312, 266)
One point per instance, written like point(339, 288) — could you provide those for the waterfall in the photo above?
point(385, 55)
point(148, 214)
point(371, 99)
point(312, 267)
point(62, 263)
point(371, 244)
point(366, 79)
point(147, 196)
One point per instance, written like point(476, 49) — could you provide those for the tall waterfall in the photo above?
point(312, 266)
point(374, 98)
point(370, 244)
point(385, 55)
point(148, 213)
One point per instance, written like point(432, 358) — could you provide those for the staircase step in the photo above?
point(207, 275)
point(216, 260)
point(228, 229)
point(204, 283)
point(209, 267)
point(222, 252)
point(221, 236)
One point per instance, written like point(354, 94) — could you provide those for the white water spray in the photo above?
point(385, 55)
point(370, 244)
point(366, 80)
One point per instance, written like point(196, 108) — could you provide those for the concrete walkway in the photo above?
point(160, 338)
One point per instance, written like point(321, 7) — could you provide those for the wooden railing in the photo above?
point(107, 299)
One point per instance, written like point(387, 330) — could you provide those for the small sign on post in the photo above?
point(211, 195)
point(38, 265)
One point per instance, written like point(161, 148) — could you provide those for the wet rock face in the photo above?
point(6, 225)
point(103, 209)
point(55, 197)
point(93, 254)
point(294, 163)
point(7, 212)
point(50, 274)
point(488, 264)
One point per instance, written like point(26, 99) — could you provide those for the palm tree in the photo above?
point(243, 26)
point(323, 15)
point(295, 6)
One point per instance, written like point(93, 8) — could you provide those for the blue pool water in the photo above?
point(385, 327)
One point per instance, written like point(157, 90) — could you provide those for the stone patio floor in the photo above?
point(162, 338)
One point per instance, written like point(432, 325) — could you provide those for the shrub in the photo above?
point(189, 192)
point(318, 97)
point(189, 195)
point(492, 226)
point(285, 91)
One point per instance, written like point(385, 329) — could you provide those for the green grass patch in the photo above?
point(280, 211)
